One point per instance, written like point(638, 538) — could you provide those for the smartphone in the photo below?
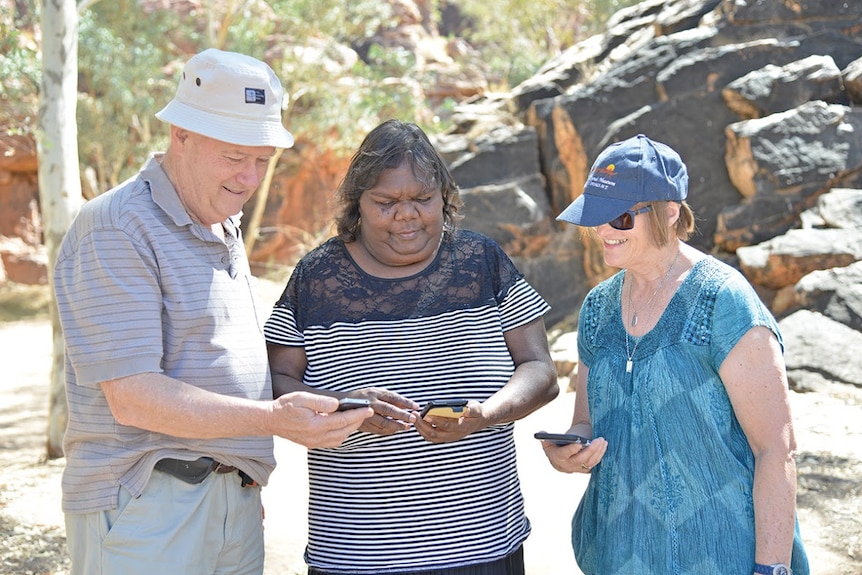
point(444, 408)
point(346, 403)
point(562, 438)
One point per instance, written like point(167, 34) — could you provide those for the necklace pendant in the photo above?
point(634, 319)
point(629, 366)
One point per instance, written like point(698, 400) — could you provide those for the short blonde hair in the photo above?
point(683, 228)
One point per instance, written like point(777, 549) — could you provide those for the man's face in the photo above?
point(214, 179)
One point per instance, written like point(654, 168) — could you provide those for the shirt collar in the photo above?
point(166, 197)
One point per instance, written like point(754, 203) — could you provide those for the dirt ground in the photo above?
point(32, 535)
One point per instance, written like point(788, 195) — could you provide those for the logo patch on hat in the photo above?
point(609, 171)
point(602, 178)
point(255, 96)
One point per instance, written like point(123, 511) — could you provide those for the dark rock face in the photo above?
point(759, 98)
point(782, 163)
point(762, 100)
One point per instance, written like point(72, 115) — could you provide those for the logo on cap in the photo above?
point(602, 178)
point(609, 171)
point(255, 96)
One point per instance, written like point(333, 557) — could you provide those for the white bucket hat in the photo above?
point(229, 97)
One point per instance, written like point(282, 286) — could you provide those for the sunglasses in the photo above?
point(626, 220)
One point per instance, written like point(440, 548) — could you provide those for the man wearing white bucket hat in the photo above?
point(171, 415)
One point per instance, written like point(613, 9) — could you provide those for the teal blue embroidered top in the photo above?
point(673, 493)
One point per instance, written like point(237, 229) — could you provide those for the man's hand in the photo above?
point(312, 420)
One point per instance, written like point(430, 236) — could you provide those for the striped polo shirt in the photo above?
point(142, 288)
point(398, 503)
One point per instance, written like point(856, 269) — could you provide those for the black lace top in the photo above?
point(469, 269)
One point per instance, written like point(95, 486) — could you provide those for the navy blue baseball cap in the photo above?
point(627, 173)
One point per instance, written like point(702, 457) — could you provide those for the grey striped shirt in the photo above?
point(142, 288)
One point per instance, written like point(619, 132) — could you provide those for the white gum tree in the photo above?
point(59, 174)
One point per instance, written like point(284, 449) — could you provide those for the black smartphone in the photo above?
point(562, 438)
point(444, 408)
point(346, 403)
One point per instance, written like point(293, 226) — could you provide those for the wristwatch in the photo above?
point(774, 569)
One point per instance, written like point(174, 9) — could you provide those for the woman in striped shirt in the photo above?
point(402, 308)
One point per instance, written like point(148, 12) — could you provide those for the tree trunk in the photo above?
point(59, 176)
point(253, 227)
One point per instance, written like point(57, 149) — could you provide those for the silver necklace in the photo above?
point(646, 307)
point(634, 320)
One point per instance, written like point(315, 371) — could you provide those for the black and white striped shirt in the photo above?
point(399, 503)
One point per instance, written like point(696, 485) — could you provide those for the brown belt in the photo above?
point(222, 468)
point(196, 471)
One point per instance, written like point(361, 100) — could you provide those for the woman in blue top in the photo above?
point(682, 386)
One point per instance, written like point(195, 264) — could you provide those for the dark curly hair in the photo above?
point(385, 148)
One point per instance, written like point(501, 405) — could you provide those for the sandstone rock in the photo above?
point(560, 272)
point(853, 81)
point(782, 163)
point(817, 13)
point(559, 73)
point(502, 155)
point(779, 88)
point(841, 208)
point(836, 293)
point(23, 263)
point(509, 213)
point(784, 260)
point(818, 348)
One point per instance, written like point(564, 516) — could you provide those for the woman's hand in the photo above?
point(392, 412)
point(575, 457)
point(438, 429)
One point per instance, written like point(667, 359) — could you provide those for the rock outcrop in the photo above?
point(762, 100)
point(23, 258)
point(756, 96)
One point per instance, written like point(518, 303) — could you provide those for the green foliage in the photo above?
point(338, 107)
point(125, 79)
point(532, 31)
point(122, 55)
point(20, 70)
point(346, 21)
point(336, 98)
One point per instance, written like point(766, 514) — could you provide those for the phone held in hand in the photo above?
point(453, 408)
point(346, 403)
point(562, 438)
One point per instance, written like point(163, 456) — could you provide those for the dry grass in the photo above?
point(22, 301)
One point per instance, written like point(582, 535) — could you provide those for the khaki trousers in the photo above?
point(212, 528)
